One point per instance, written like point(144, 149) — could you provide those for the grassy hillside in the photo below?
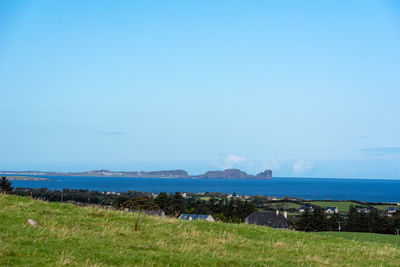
point(75, 236)
point(370, 237)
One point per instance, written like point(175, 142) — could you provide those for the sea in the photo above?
point(372, 190)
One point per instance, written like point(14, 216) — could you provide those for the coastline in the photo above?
point(27, 178)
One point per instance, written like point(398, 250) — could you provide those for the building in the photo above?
point(392, 210)
point(304, 208)
point(331, 210)
point(363, 210)
point(193, 217)
point(271, 219)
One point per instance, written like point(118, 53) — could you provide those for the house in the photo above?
point(304, 208)
point(362, 210)
point(193, 217)
point(331, 210)
point(392, 210)
point(271, 219)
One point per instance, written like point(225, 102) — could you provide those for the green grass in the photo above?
point(74, 236)
point(341, 205)
point(369, 237)
point(344, 205)
point(284, 205)
point(384, 207)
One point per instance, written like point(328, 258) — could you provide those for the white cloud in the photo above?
point(232, 161)
point(274, 163)
point(303, 166)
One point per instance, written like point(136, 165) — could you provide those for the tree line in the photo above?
point(225, 209)
point(374, 221)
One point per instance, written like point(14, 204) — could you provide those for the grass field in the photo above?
point(370, 237)
point(341, 205)
point(384, 207)
point(284, 205)
point(74, 236)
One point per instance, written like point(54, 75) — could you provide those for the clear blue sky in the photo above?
point(306, 88)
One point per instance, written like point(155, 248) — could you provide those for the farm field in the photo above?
point(384, 207)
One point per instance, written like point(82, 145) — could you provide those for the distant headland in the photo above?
point(226, 174)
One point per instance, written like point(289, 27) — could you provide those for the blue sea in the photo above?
point(306, 188)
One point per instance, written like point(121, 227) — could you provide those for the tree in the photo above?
point(395, 223)
point(305, 222)
point(243, 209)
point(335, 222)
point(319, 219)
point(119, 202)
point(163, 200)
point(356, 221)
point(352, 222)
point(5, 186)
point(141, 203)
point(177, 205)
point(211, 205)
point(376, 222)
point(312, 220)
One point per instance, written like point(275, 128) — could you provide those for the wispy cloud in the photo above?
point(232, 161)
point(303, 166)
point(382, 151)
point(272, 163)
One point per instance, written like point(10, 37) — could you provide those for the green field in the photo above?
point(75, 236)
point(344, 205)
point(384, 207)
point(341, 205)
point(370, 237)
point(284, 205)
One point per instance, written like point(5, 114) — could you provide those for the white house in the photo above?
point(392, 210)
point(304, 208)
point(331, 210)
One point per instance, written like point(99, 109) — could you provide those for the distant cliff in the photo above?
point(235, 174)
point(226, 174)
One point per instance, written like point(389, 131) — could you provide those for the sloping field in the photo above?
point(75, 236)
point(370, 237)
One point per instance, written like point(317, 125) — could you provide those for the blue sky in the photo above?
point(306, 88)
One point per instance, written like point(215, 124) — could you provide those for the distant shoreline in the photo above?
point(26, 178)
point(225, 174)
